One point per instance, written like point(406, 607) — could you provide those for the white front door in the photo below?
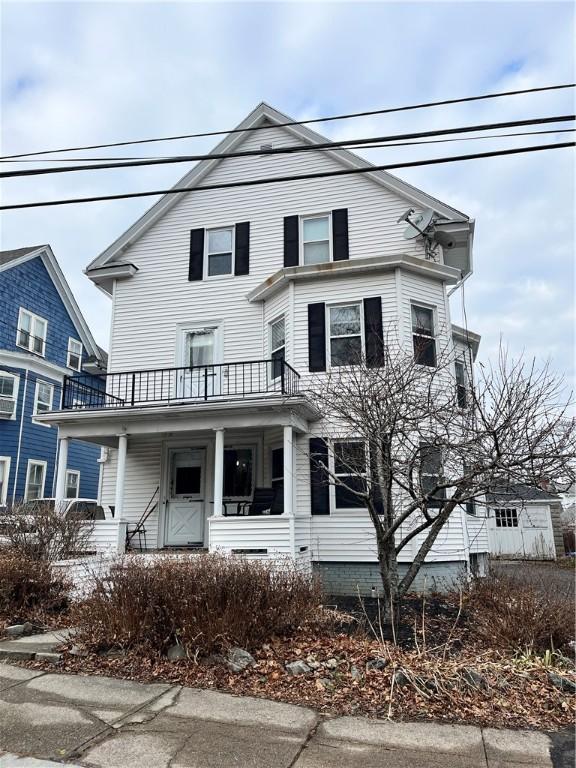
point(202, 377)
point(185, 502)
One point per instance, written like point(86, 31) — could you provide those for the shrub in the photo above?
point(205, 602)
point(39, 532)
point(514, 613)
point(29, 590)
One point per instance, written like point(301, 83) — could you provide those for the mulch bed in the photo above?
point(424, 682)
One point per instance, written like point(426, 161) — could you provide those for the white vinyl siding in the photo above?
point(74, 358)
point(35, 479)
point(8, 395)
point(32, 330)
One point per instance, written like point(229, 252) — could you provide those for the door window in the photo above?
point(187, 481)
point(200, 348)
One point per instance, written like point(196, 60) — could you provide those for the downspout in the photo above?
point(466, 540)
point(20, 436)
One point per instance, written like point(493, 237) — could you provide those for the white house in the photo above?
point(226, 302)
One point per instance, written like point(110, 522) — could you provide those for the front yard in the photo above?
point(498, 653)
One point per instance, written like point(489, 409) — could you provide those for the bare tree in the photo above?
point(411, 443)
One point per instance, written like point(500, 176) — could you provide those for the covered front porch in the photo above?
point(198, 476)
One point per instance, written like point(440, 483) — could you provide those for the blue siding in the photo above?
point(30, 286)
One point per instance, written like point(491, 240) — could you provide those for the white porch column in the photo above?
point(218, 472)
point(288, 471)
point(60, 492)
point(120, 476)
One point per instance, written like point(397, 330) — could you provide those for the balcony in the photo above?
point(171, 386)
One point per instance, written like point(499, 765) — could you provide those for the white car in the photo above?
point(81, 509)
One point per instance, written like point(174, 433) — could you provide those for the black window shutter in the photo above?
point(373, 333)
point(319, 485)
point(242, 249)
point(291, 241)
point(196, 254)
point(340, 250)
point(317, 337)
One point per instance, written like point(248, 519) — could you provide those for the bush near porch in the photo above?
point(205, 603)
point(30, 591)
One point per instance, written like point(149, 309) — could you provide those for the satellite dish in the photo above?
point(444, 239)
point(418, 224)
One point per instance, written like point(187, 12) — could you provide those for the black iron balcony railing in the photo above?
point(164, 386)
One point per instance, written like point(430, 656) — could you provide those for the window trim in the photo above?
point(16, 386)
point(75, 472)
point(78, 355)
point(6, 461)
point(35, 411)
point(39, 463)
point(32, 333)
point(336, 305)
point(434, 310)
point(206, 260)
point(332, 468)
point(302, 242)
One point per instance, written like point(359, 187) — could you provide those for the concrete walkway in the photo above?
point(101, 722)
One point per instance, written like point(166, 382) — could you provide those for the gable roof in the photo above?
point(261, 114)
point(519, 492)
point(11, 259)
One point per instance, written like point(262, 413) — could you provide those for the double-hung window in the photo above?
point(277, 476)
point(8, 395)
point(461, 391)
point(74, 354)
point(238, 472)
point(43, 397)
point(423, 335)
point(277, 346)
point(316, 239)
point(506, 518)
point(72, 483)
point(4, 476)
point(219, 251)
point(35, 478)
point(31, 333)
point(431, 472)
point(345, 335)
point(350, 472)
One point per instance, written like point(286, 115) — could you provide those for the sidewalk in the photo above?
point(109, 723)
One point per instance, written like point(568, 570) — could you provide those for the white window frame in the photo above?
point(329, 307)
point(303, 242)
point(5, 461)
point(332, 467)
point(434, 310)
point(207, 254)
point(272, 348)
point(72, 340)
point(76, 474)
point(16, 384)
point(32, 333)
point(464, 384)
point(507, 515)
point(34, 463)
point(35, 411)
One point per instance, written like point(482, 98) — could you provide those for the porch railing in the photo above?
point(163, 386)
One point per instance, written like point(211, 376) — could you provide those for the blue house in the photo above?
point(43, 338)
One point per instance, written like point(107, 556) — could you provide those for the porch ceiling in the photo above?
point(103, 426)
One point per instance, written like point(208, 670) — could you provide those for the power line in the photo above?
point(282, 179)
point(283, 150)
point(346, 116)
point(328, 149)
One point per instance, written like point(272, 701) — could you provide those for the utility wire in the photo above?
point(328, 149)
point(281, 179)
point(284, 150)
point(347, 116)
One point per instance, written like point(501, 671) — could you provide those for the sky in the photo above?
point(76, 73)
